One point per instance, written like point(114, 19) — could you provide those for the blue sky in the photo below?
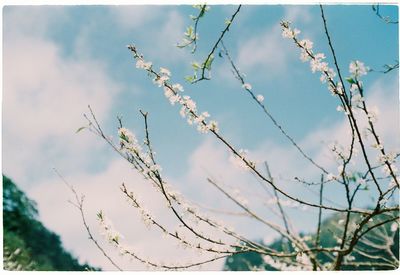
point(58, 59)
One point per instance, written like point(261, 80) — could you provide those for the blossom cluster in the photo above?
point(173, 92)
point(303, 263)
point(388, 157)
point(240, 161)
point(107, 230)
point(248, 87)
point(130, 144)
point(357, 69)
point(317, 63)
point(114, 238)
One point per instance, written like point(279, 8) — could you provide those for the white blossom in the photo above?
point(168, 92)
point(202, 128)
point(357, 69)
point(213, 125)
point(289, 33)
point(182, 112)
point(126, 136)
point(316, 63)
point(165, 71)
point(340, 108)
point(394, 226)
point(316, 60)
point(373, 114)
point(246, 86)
point(361, 181)
point(353, 87)
point(189, 103)
point(304, 57)
point(389, 157)
point(238, 161)
point(330, 177)
point(306, 44)
point(357, 99)
point(349, 258)
point(172, 97)
point(175, 98)
point(160, 80)
point(260, 98)
point(377, 146)
point(177, 87)
point(141, 64)
point(188, 108)
point(339, 88)
point(386, 170)
point(108, 230)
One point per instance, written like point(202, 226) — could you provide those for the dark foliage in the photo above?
point(329, 229)
point(28, 245)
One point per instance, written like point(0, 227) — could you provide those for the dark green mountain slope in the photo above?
point(330, 228)
point(27, 243)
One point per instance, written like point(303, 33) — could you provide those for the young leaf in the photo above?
point(100, 215)
point(80, 129)
point(195, 65)
point(189, 78)
point(350, 80)
point(209, 62)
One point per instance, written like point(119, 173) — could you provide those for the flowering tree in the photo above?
point(356, 230)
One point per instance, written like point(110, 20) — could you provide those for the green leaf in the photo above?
point(80, 129)
point(196, 66)
point(189, 78)
point(100, 215)
point(350, 80)
point(125, 138)
point(189, 31)
point(209, 62)
point(352, 178)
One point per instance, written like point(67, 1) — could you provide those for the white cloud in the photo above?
point(102, 193)
point(297, 14)
point(210, 159)
point(266, 53)
point(134, 17)
point(31, 20)
point(164, 27)
point(44, 97)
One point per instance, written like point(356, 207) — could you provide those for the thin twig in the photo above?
point(203, 69)
point(347, 103)
point(240, 77)
point(79, 204)
point(321, 189)
point(283, 215)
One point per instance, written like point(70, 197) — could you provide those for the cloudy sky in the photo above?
point(59, 59)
